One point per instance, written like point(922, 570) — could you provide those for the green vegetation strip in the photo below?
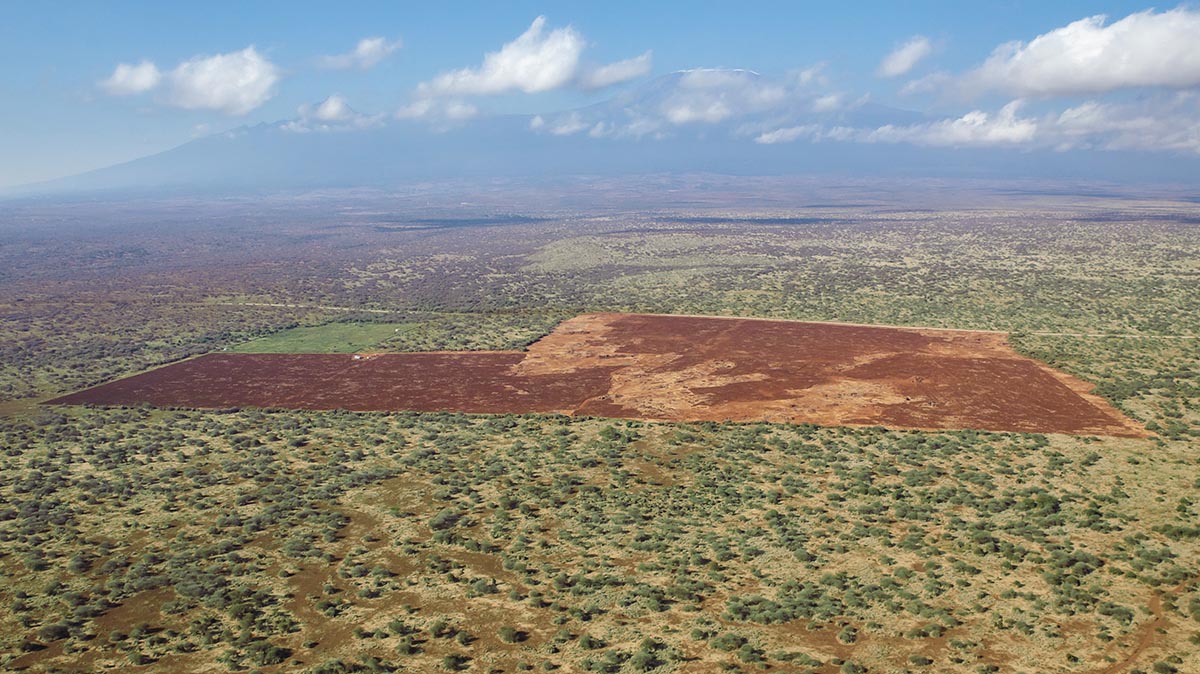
point(329, 338)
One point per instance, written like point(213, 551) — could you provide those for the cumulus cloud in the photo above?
point(1146, 49)
point(1171, 124)
point(1163, 123)
point(366, 54)
point(976, 128)
point(132, 79)
point(771, 112)
point(456, 110)
point(332, 109)
point(702, 97)
point(600, 130)
point(233, 83)
point(904, 58)
point(709, 111)
point(789, 134)
point(638, 125)
point(710, 95)
point(538, 60)
point(331, 114)
point(615, 73)
point(437, 110)
point(811, 75)
point(932, 82)
point(827, 103)
point(569, 125)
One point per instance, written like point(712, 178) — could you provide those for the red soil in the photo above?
point(675, 368)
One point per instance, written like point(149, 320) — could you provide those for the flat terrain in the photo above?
point(143, 539)
point(665, 368)
point(329, 338)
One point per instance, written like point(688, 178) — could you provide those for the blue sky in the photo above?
point(68, 109)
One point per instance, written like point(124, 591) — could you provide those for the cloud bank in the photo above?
point(695, 99)
point(974, 129)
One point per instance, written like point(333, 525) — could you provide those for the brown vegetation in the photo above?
point(672, 368)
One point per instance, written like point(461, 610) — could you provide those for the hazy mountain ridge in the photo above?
point(703, 120)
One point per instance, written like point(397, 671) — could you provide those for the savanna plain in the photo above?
point(170, 538)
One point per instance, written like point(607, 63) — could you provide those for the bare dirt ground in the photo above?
point(668, 368)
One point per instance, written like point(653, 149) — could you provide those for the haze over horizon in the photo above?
point(654, 338)
point(315, 96)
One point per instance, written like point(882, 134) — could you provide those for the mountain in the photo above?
point(703, 120)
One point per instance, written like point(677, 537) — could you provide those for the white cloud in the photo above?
point(457, 110)
point(366, 54)
point(416, 109)
point(904, 58)
point(132, 79)
point(640, 126)
point(437, 110)
point(569, 125)
point(615, 73)
point(709, 111)
point(827, 103)
point(233, 83)
point(331, 114)
point(538, 60)
point(932, 82)
point(840, 133)
point(700, 97)
point(711, 95)
point(774, 112)
point(1171, 124)
point(976, 128)
point(788, 134)
point(333, 109)
point(811, 75)
point(534, 62)
point(1145, 49)
point(629, 123)
point(1163, 123)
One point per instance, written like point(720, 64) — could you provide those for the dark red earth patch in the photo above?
point(424, 382)
point(673, 368)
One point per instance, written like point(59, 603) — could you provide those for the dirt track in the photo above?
point(676, 368)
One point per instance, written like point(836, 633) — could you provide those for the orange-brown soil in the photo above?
point(670, 368)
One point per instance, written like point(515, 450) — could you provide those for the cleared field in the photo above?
point(329, 338)
point(670, 368)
